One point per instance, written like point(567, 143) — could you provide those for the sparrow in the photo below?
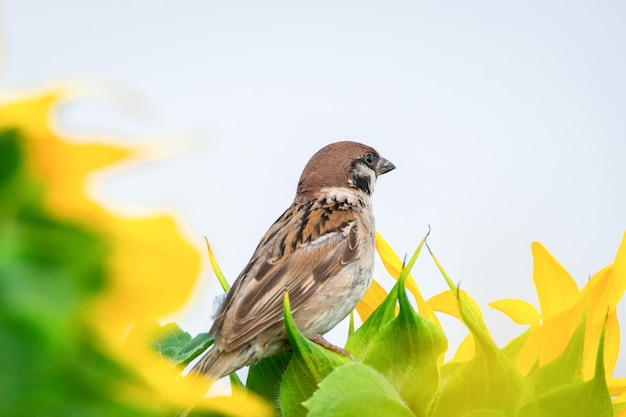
point(320, 251)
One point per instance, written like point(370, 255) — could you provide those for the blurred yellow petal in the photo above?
point(394, 266)
point(154, 270)
point(179, 392)
point(61, 165)
point(373, 298)
point(241, 403)
point(555, 287)
point(519, 311)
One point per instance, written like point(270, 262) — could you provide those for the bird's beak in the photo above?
point(383, 166)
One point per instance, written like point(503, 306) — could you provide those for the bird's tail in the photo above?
point(214, 364)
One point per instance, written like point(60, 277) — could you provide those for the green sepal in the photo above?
point(486, 413)
point(566, 369)
point(359, 341)
point(559, 389)
point(309, 365)
point(264, 377)
point(489, 381)
point(407, 352)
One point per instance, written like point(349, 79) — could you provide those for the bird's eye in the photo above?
point(368, 158)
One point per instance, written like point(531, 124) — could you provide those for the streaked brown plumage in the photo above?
point(320, 251)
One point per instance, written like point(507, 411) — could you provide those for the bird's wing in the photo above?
point(305, 247)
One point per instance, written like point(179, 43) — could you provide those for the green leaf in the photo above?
point(168, 340)
point(193, 348)
point(309, 365)
point(407, 352)
point(355, 389)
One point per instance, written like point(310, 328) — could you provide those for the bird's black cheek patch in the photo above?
point(363, 184)
point(361, 177)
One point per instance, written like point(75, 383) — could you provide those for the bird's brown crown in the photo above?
point(331, 166)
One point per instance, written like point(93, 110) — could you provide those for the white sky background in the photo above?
point(506, 120)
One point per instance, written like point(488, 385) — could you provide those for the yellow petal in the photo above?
point(519, 311)
point(601, 300)
point(606, 288)
point(446, 302)
point(375, 295)
point(556, 289)
point(529, 353)
point(466, 349)
point(621, 399)
point(611, 343)
point(617, 387)
point(555, 333)
point(392, 263)
point(620, 258)
point(394, 266)
point(601, 296)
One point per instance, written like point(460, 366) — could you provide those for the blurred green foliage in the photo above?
point(51, 363)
